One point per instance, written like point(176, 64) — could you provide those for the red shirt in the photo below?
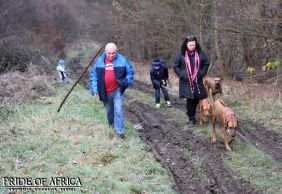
point(111, 83)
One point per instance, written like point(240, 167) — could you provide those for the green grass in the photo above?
point(5, 113)
point(85, 52)
point(257, 167)
point(39, 142)
point(249, 162)
point(268, 116)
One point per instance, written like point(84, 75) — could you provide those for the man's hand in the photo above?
point(163, 84)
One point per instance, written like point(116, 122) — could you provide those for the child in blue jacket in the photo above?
point(159, 78)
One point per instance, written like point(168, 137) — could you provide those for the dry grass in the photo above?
point(142, 71)
point(262, 94)
point(18, 87)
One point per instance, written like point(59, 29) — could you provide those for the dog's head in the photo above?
point(217, 82)
point(232, 124)
point(205, 109)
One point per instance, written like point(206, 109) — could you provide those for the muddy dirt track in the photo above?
point(259, 136)
point(171, 145)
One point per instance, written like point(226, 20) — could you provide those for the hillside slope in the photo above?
point(39, 142)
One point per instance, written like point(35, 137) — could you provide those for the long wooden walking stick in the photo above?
point(79, 78)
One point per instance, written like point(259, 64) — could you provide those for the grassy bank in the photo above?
point(39, 142)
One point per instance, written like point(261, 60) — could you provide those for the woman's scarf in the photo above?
point(192, 76)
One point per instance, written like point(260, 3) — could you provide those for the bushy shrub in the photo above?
point(19, 87)
point(271, 65)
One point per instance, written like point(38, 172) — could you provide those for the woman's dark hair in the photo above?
point(187, 39)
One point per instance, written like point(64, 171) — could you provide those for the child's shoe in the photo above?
point(168, 103)
point(158, 105)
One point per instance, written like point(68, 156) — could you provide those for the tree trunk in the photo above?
point(200, 19)
point(219, 59)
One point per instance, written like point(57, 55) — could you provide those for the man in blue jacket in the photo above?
point(111, 75)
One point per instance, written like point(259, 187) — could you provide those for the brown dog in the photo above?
point(205, 108)
point(226, 118)
point(213, 86)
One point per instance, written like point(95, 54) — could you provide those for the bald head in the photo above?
point(111, 46)
point(111, 50)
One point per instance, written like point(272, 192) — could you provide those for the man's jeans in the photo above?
point(158, 94)
point(114, 109)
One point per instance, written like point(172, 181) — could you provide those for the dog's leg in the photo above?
point(224, 137)
point(201, 114)
point(201, 119)
point(213, 127)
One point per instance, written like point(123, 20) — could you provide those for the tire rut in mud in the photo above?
point(170, 143)
point(167, 151)
point(262, 138)
point(259, 136)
